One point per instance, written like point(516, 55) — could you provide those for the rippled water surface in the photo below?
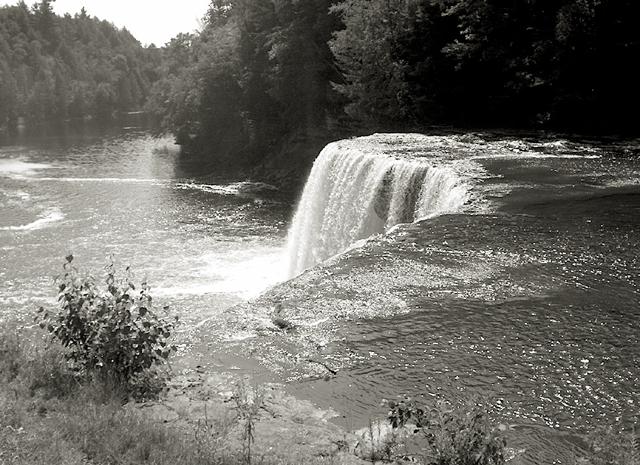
point(529, 293)
point(203, 246)
point(532, 299)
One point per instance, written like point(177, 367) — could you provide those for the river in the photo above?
point(528, 291)
point(101, 191)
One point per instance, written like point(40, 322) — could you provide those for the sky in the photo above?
point(150, 21)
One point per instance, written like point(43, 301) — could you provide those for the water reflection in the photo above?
point(532, 298)
point(121, 191)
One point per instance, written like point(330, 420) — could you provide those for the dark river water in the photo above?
point(531, 296)
point(530, 293)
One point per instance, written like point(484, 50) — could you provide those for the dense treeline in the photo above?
point(267, 77)
point(267, 73)
point(256, 79)
point(54, 68)
point(564, 64)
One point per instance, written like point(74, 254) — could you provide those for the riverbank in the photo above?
point(48, 417)
point(219, 418)
point(528, 296)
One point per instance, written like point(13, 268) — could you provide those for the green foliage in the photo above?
point(268, 77)
point(255, 77)
point(455, 434)
point(609, 445)
point(54, 68)
point(368, 52)
point(35, 369)
point(524, 62)
point(112, 331)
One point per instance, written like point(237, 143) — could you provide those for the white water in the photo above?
point(202, 247)
point(360, 188)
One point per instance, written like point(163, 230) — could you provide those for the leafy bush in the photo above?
point(460, 434)
point(610, 445)
point(113, 332)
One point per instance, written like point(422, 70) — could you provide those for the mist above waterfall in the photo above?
point(362, 187)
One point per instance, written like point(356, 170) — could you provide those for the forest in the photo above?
point(54, 68)
point(268, 82)
point(275, 76)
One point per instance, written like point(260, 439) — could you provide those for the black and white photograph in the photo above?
point(323, 232)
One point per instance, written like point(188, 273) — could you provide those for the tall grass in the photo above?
point(50, 416)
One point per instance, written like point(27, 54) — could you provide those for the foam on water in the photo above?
point(50, 216)
point(353, 193)
point(16, 166)
point(240, 275)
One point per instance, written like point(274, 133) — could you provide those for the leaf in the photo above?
point(69, 258)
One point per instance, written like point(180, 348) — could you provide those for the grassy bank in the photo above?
point(92, 386)
point(49, 415)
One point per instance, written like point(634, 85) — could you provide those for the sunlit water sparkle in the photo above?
point(201, 246)
point(529, 291)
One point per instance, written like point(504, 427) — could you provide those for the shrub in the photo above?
point(110, 332)
point(459, 434)
point(612, 445)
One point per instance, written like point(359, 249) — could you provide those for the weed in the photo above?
point(454, 433)
point(38, 369)
point(212, 437)
point(111, 333)
point(610, 445)
point(376, 442)
point(248, 404)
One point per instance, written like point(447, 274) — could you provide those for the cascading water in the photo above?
point(354, 192)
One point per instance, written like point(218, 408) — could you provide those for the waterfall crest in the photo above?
point(354, 192)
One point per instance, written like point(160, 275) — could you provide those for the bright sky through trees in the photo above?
point(150, 21)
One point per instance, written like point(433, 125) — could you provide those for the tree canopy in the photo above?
point(264, 77)
point(54, 68)
point(259, 73)
point(562, 64)
point(263, 73)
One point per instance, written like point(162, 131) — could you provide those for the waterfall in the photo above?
point(354, 191)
